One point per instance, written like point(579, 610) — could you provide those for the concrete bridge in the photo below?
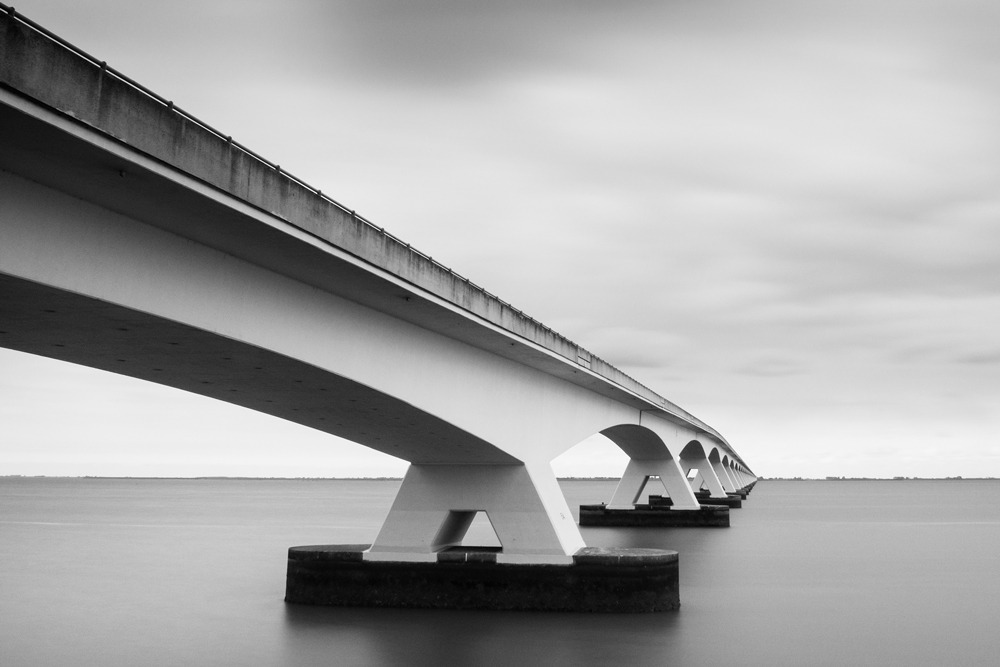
point(138, 240)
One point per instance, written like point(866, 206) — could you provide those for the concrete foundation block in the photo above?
point(598, 580)
point(730, 501)
point(655, 516)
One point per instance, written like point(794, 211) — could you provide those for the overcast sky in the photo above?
point(783, 216)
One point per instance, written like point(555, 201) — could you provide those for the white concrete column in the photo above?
point(706, 471)
point(697, 482)
point(723, 475)
point(632, 483)
point(638, 472)
point(436, 503)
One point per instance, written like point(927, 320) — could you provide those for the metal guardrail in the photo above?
point(170, 106)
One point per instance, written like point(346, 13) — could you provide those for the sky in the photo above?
point(782, 216)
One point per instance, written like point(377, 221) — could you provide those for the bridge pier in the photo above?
point(419, 559)
point(696, 482)
point(683, 510)
point(638, 473)
point(720, 472)
point(693, 457)
point(650, 447)
point(436, 504)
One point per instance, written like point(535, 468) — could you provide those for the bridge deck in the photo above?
point(282, 221)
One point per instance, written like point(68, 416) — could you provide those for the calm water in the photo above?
point(172, 572)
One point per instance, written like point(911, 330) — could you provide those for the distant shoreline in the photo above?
point(561, 479)
point(957, 478)
point(268, 479)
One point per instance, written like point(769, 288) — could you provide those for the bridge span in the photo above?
point(138, 240)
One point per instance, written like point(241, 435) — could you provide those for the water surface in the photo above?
point(169, 572)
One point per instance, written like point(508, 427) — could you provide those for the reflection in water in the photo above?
point(443, 637)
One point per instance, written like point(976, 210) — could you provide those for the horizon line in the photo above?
point(392, 478)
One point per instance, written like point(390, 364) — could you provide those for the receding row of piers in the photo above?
point(715, 494)
point(459, 577)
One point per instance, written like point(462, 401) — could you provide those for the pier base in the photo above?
point(598, 580)
point(732, 501)
point(655, 516)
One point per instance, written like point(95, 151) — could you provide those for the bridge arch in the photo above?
point(694, 450)
point(649, 456)
point(697, 456)
point(715, 459)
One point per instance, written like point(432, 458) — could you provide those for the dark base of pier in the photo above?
point(598, 580)
point(655, 516)
point(732, 501)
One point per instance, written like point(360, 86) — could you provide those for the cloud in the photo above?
point(990, 357)
point(773, 367)
point(448, 43)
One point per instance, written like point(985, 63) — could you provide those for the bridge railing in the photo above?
point(170, 106)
